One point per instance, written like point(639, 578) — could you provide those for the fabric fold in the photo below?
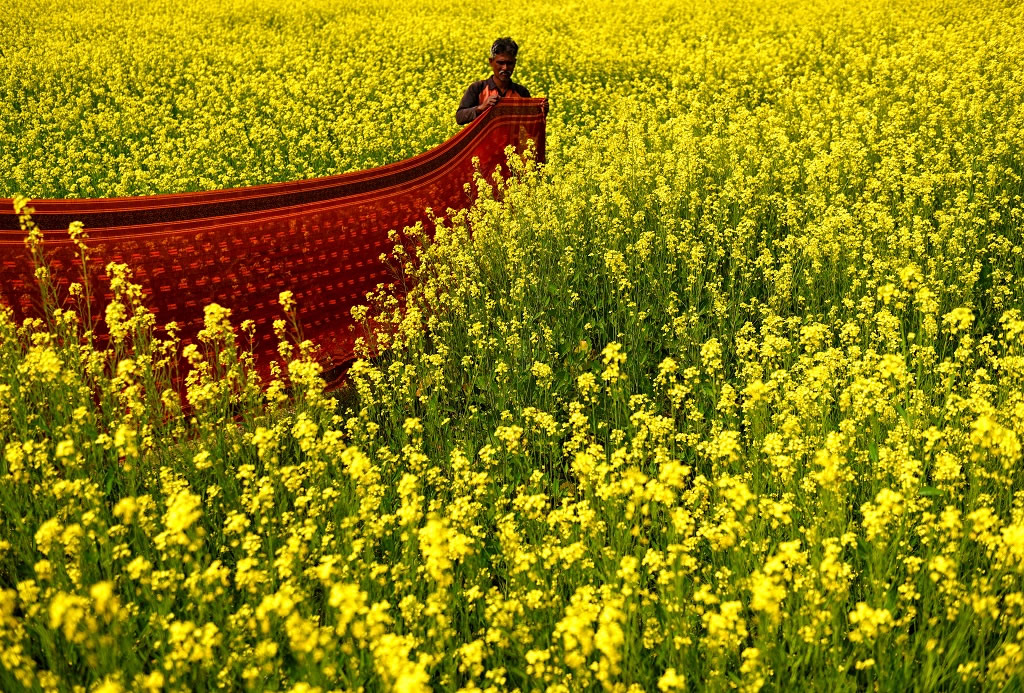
point(321, 238)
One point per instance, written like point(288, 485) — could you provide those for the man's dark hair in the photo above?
point(504, 45)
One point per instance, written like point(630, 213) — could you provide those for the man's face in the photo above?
point(503, 65)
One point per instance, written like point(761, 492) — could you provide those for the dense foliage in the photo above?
point(729, 394)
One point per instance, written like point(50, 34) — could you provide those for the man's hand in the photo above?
point(487, 104)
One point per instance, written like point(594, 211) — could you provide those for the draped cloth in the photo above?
point(320, 238)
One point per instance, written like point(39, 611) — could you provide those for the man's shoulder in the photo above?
point(521, 90)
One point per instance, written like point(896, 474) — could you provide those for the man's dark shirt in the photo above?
point(471, 100)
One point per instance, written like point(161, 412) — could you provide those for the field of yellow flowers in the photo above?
point(728, 395)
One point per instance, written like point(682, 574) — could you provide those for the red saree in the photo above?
point(320, 238)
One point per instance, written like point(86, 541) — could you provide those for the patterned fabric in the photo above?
point(321, 238)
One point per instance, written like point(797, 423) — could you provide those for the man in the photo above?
point(483, 94)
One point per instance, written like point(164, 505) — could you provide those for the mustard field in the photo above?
point(728, 395)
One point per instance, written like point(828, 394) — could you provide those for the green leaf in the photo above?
point(902, 412)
